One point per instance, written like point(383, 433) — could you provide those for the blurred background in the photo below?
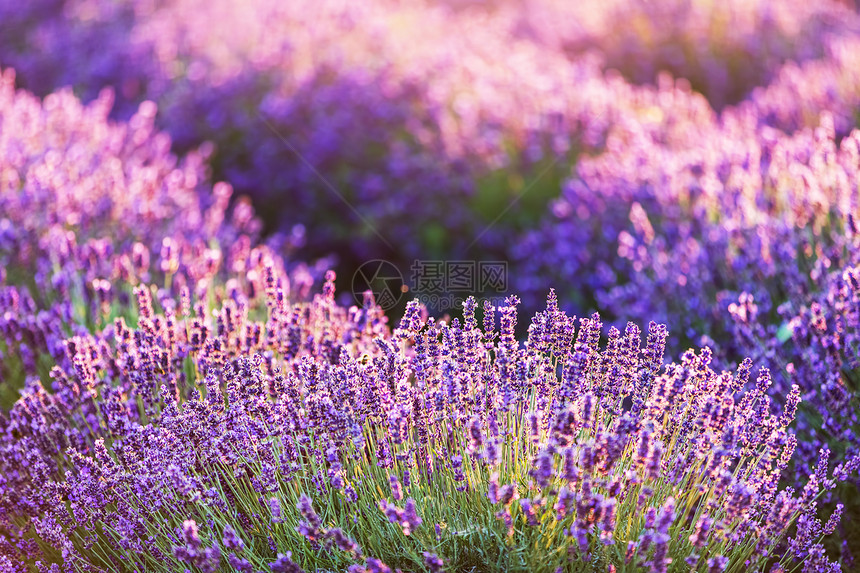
point(543, 136)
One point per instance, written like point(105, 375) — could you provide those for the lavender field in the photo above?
point(430, 286)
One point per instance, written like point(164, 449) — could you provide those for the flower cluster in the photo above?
point(154, 453)
point(90, 209)
point(745, 241)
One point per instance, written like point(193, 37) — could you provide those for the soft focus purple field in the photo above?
point(191, 381)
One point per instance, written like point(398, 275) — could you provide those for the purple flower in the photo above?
point(407, 518)
point(239, 564)
point(543, 469)
point(284, 564)
point(344, 542)
point(433, 562)
point(231, 540)
point(275, 508)
point(530, 510)
point(396, 488)
point(311, 526)
point(189, 534)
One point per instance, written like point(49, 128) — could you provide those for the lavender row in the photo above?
point(443, 438)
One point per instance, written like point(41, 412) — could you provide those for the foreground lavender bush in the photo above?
point(448, 447)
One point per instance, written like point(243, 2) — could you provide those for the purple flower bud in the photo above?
point(433, 563)
point(284, 564)
point(344, 542)
point(507, 494)
point(241, 565)
point(717, 564)
point(493, 489)
point(565, 503)
point(231, 540)
point(700, 533)
point(396, 489)
point(833, 520)
point(407, 517)
point(530, 511)
point(311, 527)
point(189, 533)
point(410, 515)
point(275, 508)
point(543, 470)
